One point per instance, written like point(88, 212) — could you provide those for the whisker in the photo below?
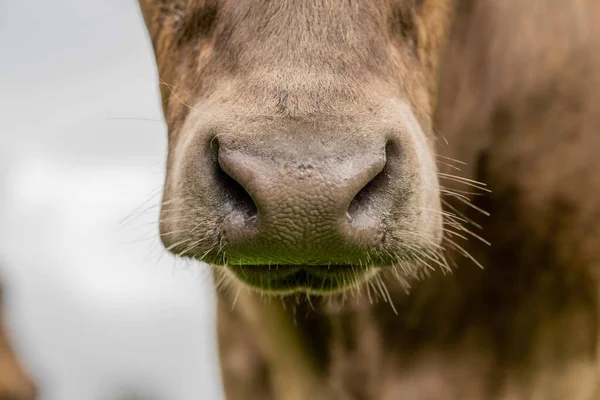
point(473, 206)
point(455, 234)
point(172, 90)
point(189, 248)
point(470, 221)
point(133, 119)
point(369, 294)
point(443, 212)
point(440, 256)
point(465, 192)
point(449, 165)
point(451, 159)
point(137, 208)
point(172, 246)
point(466, 181)
point(455, 194)
point(462, 228)
point(464, 252)
point(386, 292)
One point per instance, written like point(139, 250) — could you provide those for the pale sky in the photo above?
point(93, 307)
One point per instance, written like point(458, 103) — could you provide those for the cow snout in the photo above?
point(302, 209)
point(299, 204)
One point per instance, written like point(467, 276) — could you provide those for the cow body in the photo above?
point(515, 107)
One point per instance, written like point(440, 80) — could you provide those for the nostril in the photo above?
point(365, 201)
point(233, 191)
point(237, 196)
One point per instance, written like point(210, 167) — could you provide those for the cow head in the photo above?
point(300, 139)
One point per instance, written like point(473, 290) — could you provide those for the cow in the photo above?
point(397, 198)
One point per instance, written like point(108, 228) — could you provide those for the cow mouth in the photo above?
point(317, 279)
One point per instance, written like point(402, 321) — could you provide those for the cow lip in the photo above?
point(291, 278)
point(287, 268)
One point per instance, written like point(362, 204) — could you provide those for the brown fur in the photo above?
point(15, 383)
point(517, 101)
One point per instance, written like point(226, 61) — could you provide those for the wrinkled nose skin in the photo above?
point(303, 212)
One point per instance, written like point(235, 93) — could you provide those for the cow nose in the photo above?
point(312, 209)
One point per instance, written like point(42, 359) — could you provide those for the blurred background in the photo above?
point(93, 307)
